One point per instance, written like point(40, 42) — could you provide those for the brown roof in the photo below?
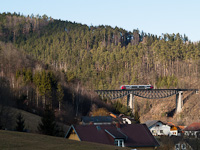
point(135, 135)
point(170, 124)
point(193, 127)
point(181, 127)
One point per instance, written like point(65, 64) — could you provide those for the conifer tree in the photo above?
point(136, 117)
point(48, 124)
point(20, 123)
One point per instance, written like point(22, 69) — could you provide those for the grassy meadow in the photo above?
point(10, 140)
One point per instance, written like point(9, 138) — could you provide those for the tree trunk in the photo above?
point(59, 106)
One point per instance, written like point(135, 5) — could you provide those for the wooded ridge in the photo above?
point(45, 61)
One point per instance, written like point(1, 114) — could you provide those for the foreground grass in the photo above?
point(10, 140)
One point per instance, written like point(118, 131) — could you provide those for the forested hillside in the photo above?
point(58, 59)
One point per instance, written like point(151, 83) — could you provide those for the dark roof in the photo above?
point(193, 127)
point(97, 119)
point(151, 123)
point(135, 135)
point(116, 134)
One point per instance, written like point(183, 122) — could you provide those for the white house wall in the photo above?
point(126, 120)
point(174, 132)
point(160, 129)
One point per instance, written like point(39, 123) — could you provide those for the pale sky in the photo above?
point(150, 16)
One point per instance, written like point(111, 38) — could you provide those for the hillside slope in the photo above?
point(21, 141)
point(31, 120)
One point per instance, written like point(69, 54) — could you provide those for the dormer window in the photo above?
point(119, 142)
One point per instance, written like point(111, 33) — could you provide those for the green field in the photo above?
point(10, 140)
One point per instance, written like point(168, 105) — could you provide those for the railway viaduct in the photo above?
point(146, 93)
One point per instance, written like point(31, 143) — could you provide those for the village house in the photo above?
point(181, 129)
point(193, 130)
point(126, 119)
point(123, 119)
point(157, 127)
point(175, 130)
point(181, 143)
point(123, 135)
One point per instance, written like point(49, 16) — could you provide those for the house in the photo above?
point(125, 119)
point(157, 127)
point(174, 130)
point(96, 120)
point(192, 130)
point(181, 132)
point(123, 135)
point(181, 143)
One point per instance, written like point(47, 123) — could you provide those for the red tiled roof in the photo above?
point(137, 135)
point(193, 127)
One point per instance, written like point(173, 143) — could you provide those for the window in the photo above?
point(183, 146)
point(153, 131)
point(134, 87)
point(119, 142)
point(177, 146)
point(161, 131)
point(116, 142)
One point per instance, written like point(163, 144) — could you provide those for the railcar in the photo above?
point(130, 87)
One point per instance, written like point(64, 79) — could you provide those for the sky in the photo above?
point(150, 16)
